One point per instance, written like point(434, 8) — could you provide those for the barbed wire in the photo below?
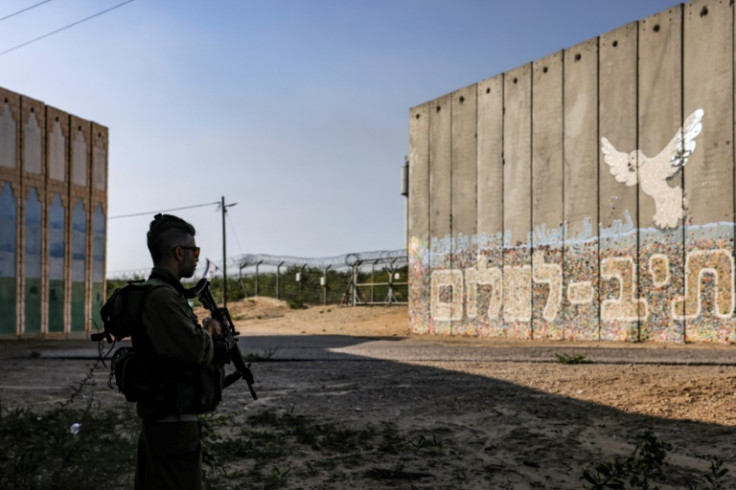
point(243, 261)
point(346, 260)
point(129, 274)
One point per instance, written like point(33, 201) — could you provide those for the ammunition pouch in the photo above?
point(163, 386)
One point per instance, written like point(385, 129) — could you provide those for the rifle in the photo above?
point(229, 335)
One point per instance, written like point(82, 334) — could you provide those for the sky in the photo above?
point(296, 110)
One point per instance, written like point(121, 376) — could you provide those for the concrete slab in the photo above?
point(660, 116)
point(580, 303)
point(547, 197)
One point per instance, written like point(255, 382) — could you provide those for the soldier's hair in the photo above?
point(165, 233)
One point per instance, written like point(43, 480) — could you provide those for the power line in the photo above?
point(235, 232)
point(149, 213)
point(23, 10)
point(65, 27)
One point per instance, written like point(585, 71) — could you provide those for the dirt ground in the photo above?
point(506, 414)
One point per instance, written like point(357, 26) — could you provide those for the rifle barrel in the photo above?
point(222, 315)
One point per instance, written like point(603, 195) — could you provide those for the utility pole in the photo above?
point(224, 207)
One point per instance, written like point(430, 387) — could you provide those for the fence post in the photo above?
point(240, 278)
point(278, 280)
point(257, 265)
point(355, 283)
point(323, 282)
point(391, 269)
point(299, 277)
point(373, 280)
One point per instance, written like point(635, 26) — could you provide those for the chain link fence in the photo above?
point(365, 278)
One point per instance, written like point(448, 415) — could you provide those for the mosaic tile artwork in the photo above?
point(660, 294)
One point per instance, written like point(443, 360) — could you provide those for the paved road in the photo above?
point(416, 349)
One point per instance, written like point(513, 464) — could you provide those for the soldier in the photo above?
point(183, 356)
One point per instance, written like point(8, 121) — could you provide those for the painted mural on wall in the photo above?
point(488, 297)
point(586, 195)
point(52, 219)
point(651, 174)
point(487, 293)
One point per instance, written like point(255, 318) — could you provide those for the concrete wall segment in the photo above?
point(464, 161)
point(581, 136)
point(517, 258)
point(661, 248)
point(708, 179)
point(580, 305)
point(621, 307)
point(419, 171)
point(617, 122)
point(648, 248)
point(490, 156)
point(708, 80)
point(547, 196)
point(440, 168)
point(418, 218)
point(440, 207)
point(489, 274)
point(547, 132)
point(517, 155)
point(464, 191)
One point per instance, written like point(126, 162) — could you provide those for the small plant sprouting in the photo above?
point(572, 359)
point(717, 474)
point(277, 478)
point(430, 445)
point(265, 355)
point(295, 304)
point(636, 471)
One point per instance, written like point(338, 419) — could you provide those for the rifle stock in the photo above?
point(229, 335)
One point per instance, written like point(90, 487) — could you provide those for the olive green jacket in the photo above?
point(171, 325)
point(183, 352)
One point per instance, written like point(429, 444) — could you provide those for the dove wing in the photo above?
point(674, 156)
point(618, 163)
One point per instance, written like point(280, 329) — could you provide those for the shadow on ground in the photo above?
point(495, 434)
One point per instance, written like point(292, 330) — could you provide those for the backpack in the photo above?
point(134, 375)
point(122, 317)
point(163, 385)
point(123, 311)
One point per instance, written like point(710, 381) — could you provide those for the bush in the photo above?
point(636, 471)
point(572, 359)
point(67, 448)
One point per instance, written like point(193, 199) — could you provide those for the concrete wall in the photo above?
point(587, 195)
point(53, 204)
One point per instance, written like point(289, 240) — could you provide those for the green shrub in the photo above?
point(572, 359)
point(67, 448)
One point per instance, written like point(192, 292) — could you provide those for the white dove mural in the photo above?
point(652, 173)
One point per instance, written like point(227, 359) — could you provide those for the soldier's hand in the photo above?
point(213, 327)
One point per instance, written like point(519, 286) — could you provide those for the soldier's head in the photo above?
point(171, 242)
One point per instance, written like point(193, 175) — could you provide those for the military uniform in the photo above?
point(169, 447)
